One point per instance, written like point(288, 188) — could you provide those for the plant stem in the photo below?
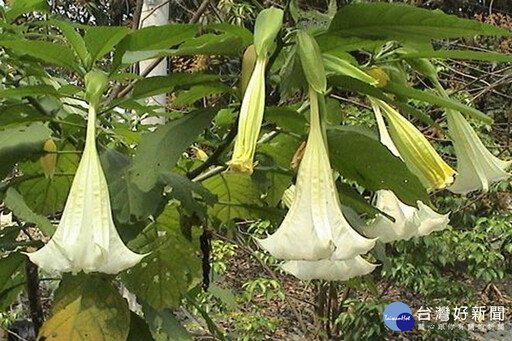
point(36, 311)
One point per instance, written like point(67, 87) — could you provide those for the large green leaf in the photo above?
point(87, 307)
point(29, 90)
point(20, 143)
point(238, 197)
point(129, 203)
point(364, 159)
point(50, 53)
point(164, 326)
point(311, 61)
point(188, 193)
point(225, 44)
point(12, 278)
point(155, 38)
point(430, 97)
point(100, 40)
point(74, 39)
point(17, 205)
point(166, 273)
point(48, 196)
point(161, 84)
point(460, 54)
point(349, 83)
point(393, 21)
point(139, 329)
point(198, 92)
point(158, 151)
point(19, 7)
point(286, 118)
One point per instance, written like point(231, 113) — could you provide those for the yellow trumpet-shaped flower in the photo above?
point(409, 221)
point(417, 153)
point(249, 124)
point(315, 227)
point(86, 238)
point(477, 167)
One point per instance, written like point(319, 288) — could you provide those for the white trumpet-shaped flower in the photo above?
point(418, 154)
point(324, 269)
point(409, 221)
point(315, 227)
point(476, 166)
point(250, 119)
point(86, 238)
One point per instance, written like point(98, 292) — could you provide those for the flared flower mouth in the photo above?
point(329, 270)
point(478, 168)
point(86, 238)
point(415, 150)
point(314, 227)
point(409, 221)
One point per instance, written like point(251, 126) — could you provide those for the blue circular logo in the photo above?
point(398, 316)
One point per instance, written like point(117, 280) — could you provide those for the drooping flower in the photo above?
point(268, 24)
point(250, 119)
point(418, 154)
point(314, 227)
point(409, 221)
point(86, 238)
point(477, 167)
point(324, 269)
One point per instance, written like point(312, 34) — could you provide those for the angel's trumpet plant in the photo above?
point(418, 154)
point(324, 269)
point(86, 238)
point(314, 228)
point(409, 221)
point(477, 167)
point(267, 26)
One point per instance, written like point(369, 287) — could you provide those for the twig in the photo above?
point(200, 10)
point(156, 8)
point(36, 311)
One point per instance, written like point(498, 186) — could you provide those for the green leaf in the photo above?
point(238, 197)
point(198, 92)
point(267, 26)
point(12, 278)
point(44, 195)
point(50, 53)
point(349, 83)
point(427, 96)
point(100, 40)
point(365, 160)
point(187, 193)
point(330, 43)
point(237, 30)
point(164, 326)
point(87, 307)
point(17, 205)
point(21, 143)
point(287, 119)
point(139, 329)
point(19, 7)
point(350, 197)
point(159, 150)
point(460, 54)
point(167, 272)
point(162, 84)
point(30, 90)
point(75, 40)
point(345, 68)
point(154, 38)
point(311, 60)
point(398, 22)
point(129, 203)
